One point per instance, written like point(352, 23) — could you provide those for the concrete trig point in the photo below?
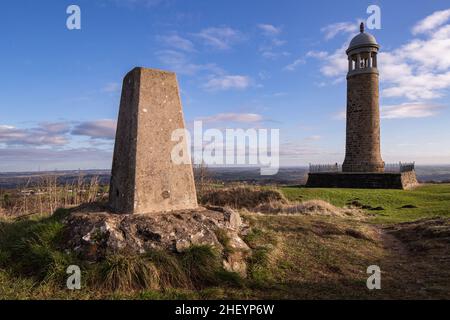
point(144, 178)
point(363, 166)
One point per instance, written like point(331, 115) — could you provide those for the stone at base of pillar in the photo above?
point(404, 180)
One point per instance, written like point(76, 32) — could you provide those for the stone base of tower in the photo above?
point(404, 180)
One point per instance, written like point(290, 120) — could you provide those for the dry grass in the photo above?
point(203, 180)
point(242, 197)
point(311, 207)
point(122, 273)
point(47, 195)
point(270, 201)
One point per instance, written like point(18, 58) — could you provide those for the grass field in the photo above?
point(294, 256)
point(429, 201)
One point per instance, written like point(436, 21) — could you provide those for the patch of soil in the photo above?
point(409, 206)
point(355, 203)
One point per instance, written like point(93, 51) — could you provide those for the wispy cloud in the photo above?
point(410, 110)
point(13, 159)
point(269, 29)
point(112, 87)
point(56, 134)
point(418, 70)
point(233, 117)
point(271, 44)
point(45, 134)
point(294, 65)
point(406, 110)
point(431, 22)
point(313, 138)
point(346, 28)
point(334, 64)
point(99, 129)
point(221, 38)
point(227, 82)
point(177, 42)
point(182, 64)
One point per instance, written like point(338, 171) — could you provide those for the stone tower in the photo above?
point(145, 179)
point(363, 111)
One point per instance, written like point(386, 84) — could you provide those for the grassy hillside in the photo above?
point(295, 256)
point(426, 201)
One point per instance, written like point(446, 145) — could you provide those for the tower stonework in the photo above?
point(363, 167)
point(144, 178)
point(363, 152)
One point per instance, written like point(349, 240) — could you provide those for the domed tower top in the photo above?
point(362, 53)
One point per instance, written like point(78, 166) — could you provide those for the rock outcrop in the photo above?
point(94, 233)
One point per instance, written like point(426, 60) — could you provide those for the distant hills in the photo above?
point(286, 176)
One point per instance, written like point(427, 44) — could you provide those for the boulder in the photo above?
point(95, 234)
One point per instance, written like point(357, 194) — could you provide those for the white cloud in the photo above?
point(274, 55)
point(269, 30)
point(46, 134)
point(294, 65)
point(431, 22)
point(271, 42)
point(221, 38)
point(25, 159)
point(334, 29)
point(402, 111)
point(334, 64)
point(340, 115)
point(56, 134)
point(227, 82)
point(298, 150)
point(98, 129)
point(111, 87)
point(418, 70)
point(177, 42)
point(410, 110)
point(180, 63)
point(313, 138)
point(234, 117)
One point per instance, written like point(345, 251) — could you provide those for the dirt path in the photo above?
point(416, 266)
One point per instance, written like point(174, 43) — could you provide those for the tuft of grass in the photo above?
point(201, 264)
point(171, 272)
point(224, 239)
point(123, 273)
point(263, 243)
point(233, 279)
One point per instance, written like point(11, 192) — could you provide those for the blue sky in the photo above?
point(269, 64)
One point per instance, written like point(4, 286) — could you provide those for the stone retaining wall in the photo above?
point(405, 180)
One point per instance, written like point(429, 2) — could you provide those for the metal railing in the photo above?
point(400, 167)
point(318, 168)
point(388, 167)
